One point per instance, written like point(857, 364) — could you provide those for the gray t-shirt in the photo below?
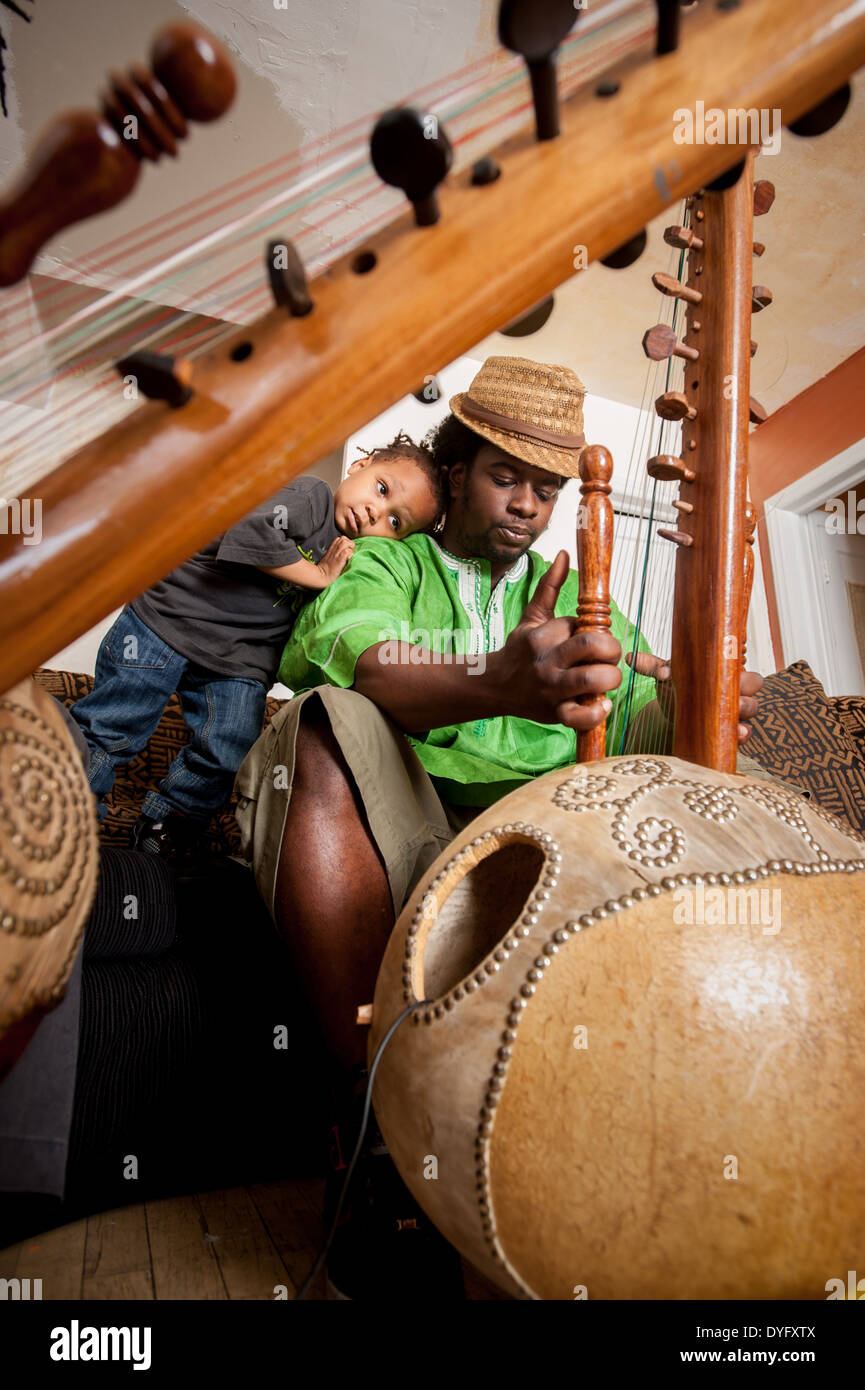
point(221, 612)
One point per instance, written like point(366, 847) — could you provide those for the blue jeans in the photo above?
point(136, 674)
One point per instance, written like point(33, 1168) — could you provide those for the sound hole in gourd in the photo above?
point(477, 914)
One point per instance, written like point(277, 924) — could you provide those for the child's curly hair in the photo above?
point(402, 446)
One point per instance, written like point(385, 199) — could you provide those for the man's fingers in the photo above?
point(646, 665)
point(582, 717)
point(591, 647)
point(750, 682)
point(744, 732)
point(596, 679)
point(542, 604)
point(748, 706)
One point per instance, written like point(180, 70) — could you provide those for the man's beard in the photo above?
point(484, 545)
point(499, 552)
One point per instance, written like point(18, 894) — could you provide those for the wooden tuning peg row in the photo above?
point(668, 284)
point(683, 239)
point(757, 413)
point(761, 298)
point(158, 376)
point(409, 150)
point(667, 468)
point(673, 405)
point(661, 341)
point(677, 537)
point(764, 196)
point(88, 161)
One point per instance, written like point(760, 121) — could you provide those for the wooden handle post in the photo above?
point(594, 554)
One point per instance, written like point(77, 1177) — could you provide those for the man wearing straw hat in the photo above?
point(389, 749)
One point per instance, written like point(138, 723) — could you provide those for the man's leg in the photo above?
point(332, 902)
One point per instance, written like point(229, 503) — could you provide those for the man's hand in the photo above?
point(656, 666)
point(547, 666)
point(335, 559)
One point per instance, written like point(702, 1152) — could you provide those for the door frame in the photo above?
point(803, 615)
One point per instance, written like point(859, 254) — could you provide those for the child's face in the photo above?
point(384, 498)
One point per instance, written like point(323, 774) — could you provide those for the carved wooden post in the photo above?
point(594, 553)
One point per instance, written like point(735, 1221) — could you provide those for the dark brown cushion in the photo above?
point(799, 735)
point(136, 778)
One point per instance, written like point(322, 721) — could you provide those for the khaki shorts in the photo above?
point(408, 821)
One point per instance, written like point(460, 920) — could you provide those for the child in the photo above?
point(214, 630)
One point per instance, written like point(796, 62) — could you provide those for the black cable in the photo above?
point(314, 1272)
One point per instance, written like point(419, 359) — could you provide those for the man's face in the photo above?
point(499, 505)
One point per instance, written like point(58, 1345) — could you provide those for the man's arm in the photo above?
point(542, 673)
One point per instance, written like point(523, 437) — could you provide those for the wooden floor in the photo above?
point(239, 1243)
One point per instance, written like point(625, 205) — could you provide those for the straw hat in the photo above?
point(48, 861)
point(529, 409)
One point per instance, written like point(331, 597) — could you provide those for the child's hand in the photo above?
point(338, 555)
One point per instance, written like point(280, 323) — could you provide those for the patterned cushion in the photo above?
point(799, 735)
point(850, 709)
point(135, 778)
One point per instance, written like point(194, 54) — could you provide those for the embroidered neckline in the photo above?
point(455, 563)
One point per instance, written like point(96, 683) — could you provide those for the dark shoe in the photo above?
point(385, 1247)
point(172, 838)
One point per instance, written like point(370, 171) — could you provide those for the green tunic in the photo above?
point(416, 592)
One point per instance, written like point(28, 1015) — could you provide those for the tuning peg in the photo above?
point(667, 38)
point(534, 29)
point(661, 341)
point(88, 161)
point(753, 348)
point(159, 377)
point(627, 253)
point(677, 537)
point(683, 239)
point(823, 116)
point(410, 151)
point(759, 248)
point(685, 507)
point(668, 284)
point(757, 413)
point(287, 278)
point(672, 405)
point(764, 196)
point(667, 468)
point(761, 298)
